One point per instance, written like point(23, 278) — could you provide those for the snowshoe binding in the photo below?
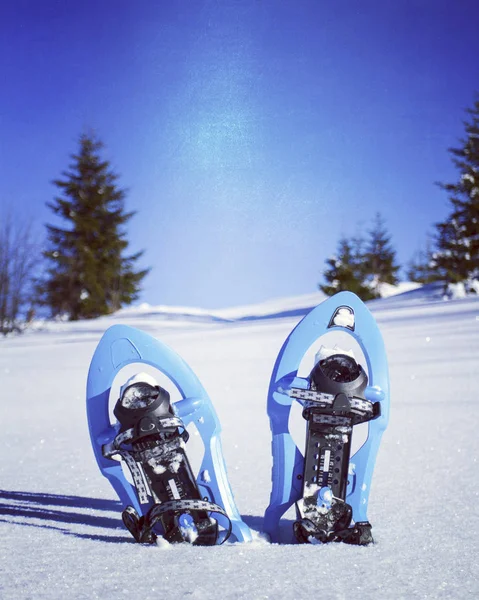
point(334, 403)
point(329, 487)
point(151, 437)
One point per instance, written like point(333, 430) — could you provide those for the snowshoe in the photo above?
point(151, 436)
point(329, 487)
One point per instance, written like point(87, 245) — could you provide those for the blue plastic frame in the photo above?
point(288, 459)
point(122, 345)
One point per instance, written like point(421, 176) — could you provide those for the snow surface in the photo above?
point(60, 524)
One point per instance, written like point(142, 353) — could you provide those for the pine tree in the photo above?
point(88, 274)
point(379, 258)
point(345, 270)
point(421, 266)
point(457, 256)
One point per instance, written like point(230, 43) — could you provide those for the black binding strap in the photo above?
point(141, 528)
point(131, 457)
point(308, 532)
point(134, 445)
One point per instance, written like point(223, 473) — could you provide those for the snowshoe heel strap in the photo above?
point(307, 532)
point(135, 525)
point(359, 535)
point(141, 528)
point(207, 534)
point(323, 525)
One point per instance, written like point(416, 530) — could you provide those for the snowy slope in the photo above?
point(147, 316)
point(60, 525)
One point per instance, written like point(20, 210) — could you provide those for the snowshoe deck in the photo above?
point(150, 437)
point(329, 487)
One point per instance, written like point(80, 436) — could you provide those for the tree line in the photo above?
point(450, 255)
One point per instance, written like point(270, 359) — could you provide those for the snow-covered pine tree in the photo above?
point(379, 258)
point(344, 270)
point(457, 256)
point(88, 274)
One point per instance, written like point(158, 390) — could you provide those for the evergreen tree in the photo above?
point(345, 270)
point(457, 256)
point(421, 266)
point(88, 274)
point(379, 258)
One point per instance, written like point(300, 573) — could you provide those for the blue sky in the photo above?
point(250, 134)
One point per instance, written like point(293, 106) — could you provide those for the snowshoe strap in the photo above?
point(109, 450)
point(322, 523)
point(160, 425)
point(308, 532)
point(148, 434)
point(359, 535)
point(135, 525)
point(137, 476)
point(141, 528)
point(359, 409)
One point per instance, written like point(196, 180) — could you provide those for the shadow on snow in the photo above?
point(32, 505)
point(48, 509)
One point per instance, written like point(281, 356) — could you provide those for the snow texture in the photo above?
point(189, 533)
point(344, 318)
point(60, 524)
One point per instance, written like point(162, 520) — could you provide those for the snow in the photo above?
point(344, 318)
point(189, 532)
point(205, 476)
point(387, 290)
point(60, 524)
point(324, 352)
point(456, 291)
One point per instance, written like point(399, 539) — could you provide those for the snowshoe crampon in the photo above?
point(150, 435)
point(329, 487)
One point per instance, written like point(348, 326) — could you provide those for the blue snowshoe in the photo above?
point(150, 435)
point(329, 486)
